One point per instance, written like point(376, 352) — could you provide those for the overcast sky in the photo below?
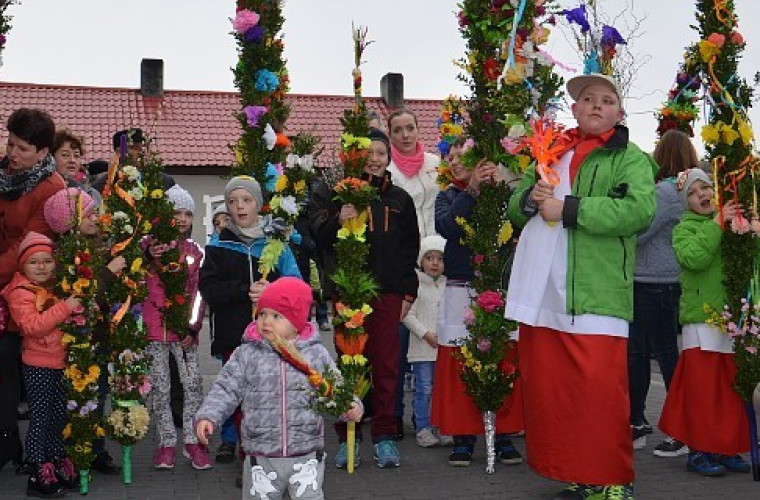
point(101, 43)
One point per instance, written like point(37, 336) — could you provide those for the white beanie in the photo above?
point(180, 198)
point(684, 181)
point(434, 242)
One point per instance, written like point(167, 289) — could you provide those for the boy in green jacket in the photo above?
point(701, 408)
point(571, 289)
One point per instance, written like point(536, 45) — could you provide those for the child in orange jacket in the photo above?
point(37, 312)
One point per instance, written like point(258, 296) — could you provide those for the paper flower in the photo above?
point(717, 39)
point(266, 81)
point(577, 16)
point(2, 40)
point(611, 37)
point(254, 113)
point(269, 136)
point(707, 50)
point(254, 34)
point(245, 20)
point(489, 301)
point(289, 205)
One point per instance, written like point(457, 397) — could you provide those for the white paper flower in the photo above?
point(269, 137)
point(119, 215)
point(131, 172)
point(289, 205)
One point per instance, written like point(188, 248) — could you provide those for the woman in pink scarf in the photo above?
point(415, 171)
point(412, 169)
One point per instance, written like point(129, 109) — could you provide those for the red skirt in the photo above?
point(575, 393)
point(453, 411)
point(701, 408)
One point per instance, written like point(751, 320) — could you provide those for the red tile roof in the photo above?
point(192, 128)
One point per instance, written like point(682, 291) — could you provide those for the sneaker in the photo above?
point(66, 474)
point(164, 458)
point(387, 455)
point(446, 440)
point(639, 436)
point(507, 453)
point(198, 455)
point(43, 482)
point(670, 447)
point(461, 456)
point(703, 464)
point(225, 454)
point(617, 492)
point(426, 438)
point(578, 491)
point(733, 463)
point(341, 458)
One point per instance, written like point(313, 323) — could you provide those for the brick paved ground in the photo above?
point(424, 474)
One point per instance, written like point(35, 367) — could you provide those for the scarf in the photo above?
point(409, 165)
point(14, 186)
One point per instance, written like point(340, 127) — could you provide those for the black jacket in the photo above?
point(225, 278)
point(392, 233)
point(457, 258)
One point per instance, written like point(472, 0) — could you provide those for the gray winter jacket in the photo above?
point(276, 398)
point(655, 259)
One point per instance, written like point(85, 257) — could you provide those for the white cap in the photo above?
point(434, 242)
point(577, 84)
point(180, 198)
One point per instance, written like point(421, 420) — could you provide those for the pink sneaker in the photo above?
point(198, 455)
point(164, 458)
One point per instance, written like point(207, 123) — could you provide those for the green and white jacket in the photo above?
point(576, 275)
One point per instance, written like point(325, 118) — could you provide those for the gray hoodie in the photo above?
point(276, 398)
point(655, 259)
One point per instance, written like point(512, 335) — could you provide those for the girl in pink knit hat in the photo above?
point(36, 311)
point(72, 209)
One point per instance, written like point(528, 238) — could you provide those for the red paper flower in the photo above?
point(492, 69)
point(489, 301)
point(180, 299)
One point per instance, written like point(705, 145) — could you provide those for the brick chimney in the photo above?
point(392, 90)
point(152, 77)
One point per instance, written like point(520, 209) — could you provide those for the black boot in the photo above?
point(10, 446)
point(103, 463)
point(42, 482)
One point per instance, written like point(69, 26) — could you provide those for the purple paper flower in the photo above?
point(2, 40)
point(254, 113)
point(578, 16)
point(245, 20)
point(71, 405)
point(115, 308)
point(611, 37)
point(254, 34)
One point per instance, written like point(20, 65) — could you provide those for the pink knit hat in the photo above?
point(60, 209)
point(31, 244)
point(290, 297)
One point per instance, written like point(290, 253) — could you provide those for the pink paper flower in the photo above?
point(717, 39)
point(478, 259)
point(740, 225)
point(245, 20)
point(145, 386)
point(484, 345)
point(489, 301)
point(751, 349)
point(253, 114)
point(79, 320)
point(469, 316)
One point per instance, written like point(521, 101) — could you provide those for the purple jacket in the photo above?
point(193, 255)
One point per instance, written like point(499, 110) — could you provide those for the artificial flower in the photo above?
point(707, 50)
point(577, 16)
point(611, 37)
point(244, 20)
point(710, 134)
point(136, 265)
point(505, 233)
point(492, 69)
point(717, 39)
point(289, 205)
point(745, 131)
point(265, 81)
point(157, 194)
point(254, 34)
point(489, 301)
point(269, 136)
point(254, 113)
point(282, 140)
point(736, 38)
point(281, 184)
point(300, 186)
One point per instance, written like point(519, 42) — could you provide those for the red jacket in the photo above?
point(41, 340)
point(20, 216)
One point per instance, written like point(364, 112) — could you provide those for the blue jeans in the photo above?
point(654, 331)
point(423, 390)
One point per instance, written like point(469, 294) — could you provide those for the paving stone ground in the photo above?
point(424, 474)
